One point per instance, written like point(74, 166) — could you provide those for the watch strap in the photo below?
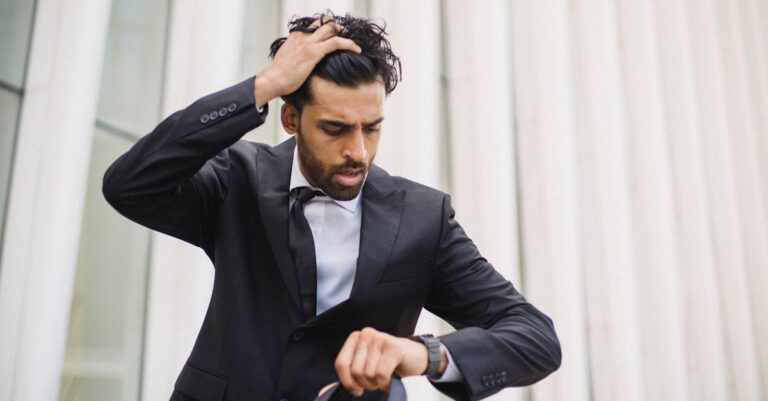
point(433, 354)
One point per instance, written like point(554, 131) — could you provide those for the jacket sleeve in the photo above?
point(501, 340)
point(174, 178)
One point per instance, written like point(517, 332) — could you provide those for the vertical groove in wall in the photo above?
point(516, 177)
point(145, 314)
point(569, 11)
point(446, 181)
point(446, 172)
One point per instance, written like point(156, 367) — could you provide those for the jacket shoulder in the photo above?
point(245, 147)
point(420, 192)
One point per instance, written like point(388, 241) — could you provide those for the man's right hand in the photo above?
point(296, 58)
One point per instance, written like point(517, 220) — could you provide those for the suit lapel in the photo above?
point(382, 208)
point(274, 175)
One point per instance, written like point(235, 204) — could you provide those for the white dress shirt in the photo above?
point(335, 228)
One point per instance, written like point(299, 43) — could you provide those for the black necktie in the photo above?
point(302, 246)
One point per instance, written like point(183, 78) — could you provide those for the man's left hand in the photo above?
point(369, 358)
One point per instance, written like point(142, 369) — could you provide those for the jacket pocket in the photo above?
point(200, 385)
point(403, 271)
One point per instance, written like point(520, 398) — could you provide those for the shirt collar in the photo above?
point(298, 180)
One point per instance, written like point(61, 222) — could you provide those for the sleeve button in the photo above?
point(214, 115)
point(222, 112)
point(204, 118)
point(232, 107)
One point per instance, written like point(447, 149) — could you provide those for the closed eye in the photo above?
point(333, 131)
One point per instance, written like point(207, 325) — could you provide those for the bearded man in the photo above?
point(323, 261)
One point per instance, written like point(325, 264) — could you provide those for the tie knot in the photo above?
point(304, 194)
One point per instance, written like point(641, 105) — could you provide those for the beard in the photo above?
point(321, 175)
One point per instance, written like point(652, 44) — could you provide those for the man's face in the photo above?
point(337, 134)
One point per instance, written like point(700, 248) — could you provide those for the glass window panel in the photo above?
point(106, 325)
point(261, 26)
point(131, 81)
point(97, 388)
point(9, 108)
point(15, 24)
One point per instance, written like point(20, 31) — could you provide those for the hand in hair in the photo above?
point(298, 55)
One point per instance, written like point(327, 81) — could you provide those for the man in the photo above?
point(323, 261)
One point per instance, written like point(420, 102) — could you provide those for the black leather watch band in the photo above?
point(433, 354)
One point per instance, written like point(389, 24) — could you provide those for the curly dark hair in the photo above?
point(343, 67)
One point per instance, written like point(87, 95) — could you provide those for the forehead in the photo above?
point(362, 103)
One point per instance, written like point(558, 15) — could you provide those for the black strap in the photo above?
point(302, 246)
point(339, 393)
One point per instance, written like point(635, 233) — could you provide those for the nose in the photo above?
point(354, 147)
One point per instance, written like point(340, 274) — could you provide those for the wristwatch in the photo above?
point(433, 354)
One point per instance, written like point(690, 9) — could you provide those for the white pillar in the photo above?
point(744, 133)
point(722, 190)
point(47, 193)
point(203, 57)
point(708, 375)
point(548, 188)
point(604, 195)
point(482, 144)
point(652, 207)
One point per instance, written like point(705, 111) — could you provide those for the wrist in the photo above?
point(443, 359)
point(437, 358)
point(262, 93)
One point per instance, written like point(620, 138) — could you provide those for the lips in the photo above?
point(349, 177)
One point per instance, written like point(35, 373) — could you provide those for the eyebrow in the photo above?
point(343, 124)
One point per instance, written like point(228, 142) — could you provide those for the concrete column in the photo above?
point(604, 196)
point(704, 349)
point(47, 194)
point(744, 80)
point(652, 206)
point(712, 98)
point(548, 189)
point(482, 136)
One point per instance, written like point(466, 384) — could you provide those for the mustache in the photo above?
point(350, 165)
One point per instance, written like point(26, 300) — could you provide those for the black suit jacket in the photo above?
point(192, 178)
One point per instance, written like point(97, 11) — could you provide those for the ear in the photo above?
point(289, 117)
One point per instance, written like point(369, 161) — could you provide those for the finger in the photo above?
point(322, 19)
point(343, 362)
point(388, 362)
point(326, 31)
point(339, 43)
point(372, 364)
point(358, 363)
